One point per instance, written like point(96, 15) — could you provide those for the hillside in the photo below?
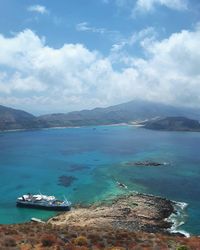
point(173, 124)
point(127, 112)
point(31, 236)
point(16, 119)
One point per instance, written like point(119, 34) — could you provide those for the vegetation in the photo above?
point(30, 236)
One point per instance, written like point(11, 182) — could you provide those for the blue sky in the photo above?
point(59, 56)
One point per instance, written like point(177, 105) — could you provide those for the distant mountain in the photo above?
point(16, 119)
point(126, 112)
point(173, 124)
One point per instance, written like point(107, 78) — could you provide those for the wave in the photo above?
point(178, 218)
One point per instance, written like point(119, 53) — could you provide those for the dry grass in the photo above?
point(30, 236)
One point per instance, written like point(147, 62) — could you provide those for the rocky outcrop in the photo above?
point(135, 212)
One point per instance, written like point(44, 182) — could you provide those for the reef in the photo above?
point(66, 181)
point(78, 167)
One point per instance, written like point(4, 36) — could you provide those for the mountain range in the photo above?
point(127, 112)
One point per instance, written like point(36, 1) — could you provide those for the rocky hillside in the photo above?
point(31, 236)
point(173, 124)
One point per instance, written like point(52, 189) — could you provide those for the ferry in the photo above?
point(41, 201)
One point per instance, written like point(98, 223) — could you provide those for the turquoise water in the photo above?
point(34, 161)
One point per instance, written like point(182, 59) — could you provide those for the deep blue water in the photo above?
point(34, 161)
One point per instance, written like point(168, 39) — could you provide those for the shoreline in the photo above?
point(171, 214)
point(63, 127)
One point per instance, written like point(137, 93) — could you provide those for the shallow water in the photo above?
point(91, 160)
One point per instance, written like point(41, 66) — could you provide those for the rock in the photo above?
point(145, 163)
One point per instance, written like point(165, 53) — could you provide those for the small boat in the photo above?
point(41, 201)
point(121, 185)
point(37, 220)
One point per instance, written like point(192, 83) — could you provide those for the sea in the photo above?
point(83, 164)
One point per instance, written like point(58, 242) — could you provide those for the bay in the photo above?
point(84, 163)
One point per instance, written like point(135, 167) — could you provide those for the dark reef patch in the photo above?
point(78, 167)
point(65, 180)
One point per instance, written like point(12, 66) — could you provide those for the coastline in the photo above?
point(63, 127)
point(178, 218)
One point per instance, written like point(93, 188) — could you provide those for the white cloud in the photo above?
point(113, 35)
point(38, 8)
point(144, 6)
point(84, 26)
point(40, 77)
point(149, 5)
point(141, 37)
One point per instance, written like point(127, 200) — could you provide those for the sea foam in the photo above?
point(178, 218)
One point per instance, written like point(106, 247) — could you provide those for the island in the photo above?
point(145, 163)
point(173, 124)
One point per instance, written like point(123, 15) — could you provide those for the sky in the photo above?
point(60, 56)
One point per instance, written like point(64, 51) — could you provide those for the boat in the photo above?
point(41, 201)
point(37, 220)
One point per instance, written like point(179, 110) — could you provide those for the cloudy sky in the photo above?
point(58, 56)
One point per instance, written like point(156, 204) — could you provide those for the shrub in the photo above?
point(10, 242)
point(48, 240)
point(117, 248)
point(182, 248)
point(81, 241)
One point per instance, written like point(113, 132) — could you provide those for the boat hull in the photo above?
point(41, 206)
